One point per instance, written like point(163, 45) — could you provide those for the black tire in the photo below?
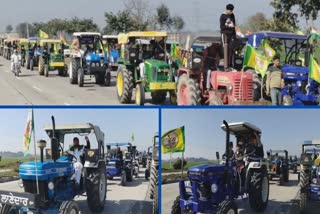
point(303, 184)
point(28, 62)
point(154, 175)
point(31, 64)
point(8, 209)
point(281, 179)
point(155, 202)
point(286, 177)
point(258, 199)
point(194, 95)
point(68, 206)
point(65, 70)
point(140, 95)
point(123, 178)
point(124, 90)
point(96, 187)
point(146, 174)
point(46, 70)
point(41, 67)
point(158, 97)
point(61, 72)
point(80, 77)
point(295, 169)
point(173, 97)
point(100, 78)
point(129, 173)
point(73, 73)
point(107, 78)
point(176, 209)
point(227, 206)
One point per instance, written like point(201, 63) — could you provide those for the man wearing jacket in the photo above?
point(275, 81)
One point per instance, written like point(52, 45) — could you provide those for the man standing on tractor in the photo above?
point(275, 81)
point(228, 33)
point(77, 151)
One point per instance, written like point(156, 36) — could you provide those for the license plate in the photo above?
point(18, 199)
point(163, 86)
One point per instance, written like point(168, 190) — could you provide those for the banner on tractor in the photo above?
point(255, 60)
point(173, 141)
point(28, 132)
point(314, 70)
point(269, 52)
point(43, 34)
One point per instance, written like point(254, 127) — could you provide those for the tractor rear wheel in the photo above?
point(46, 70)
point(8, 209)
point(188, 91)
point(125, 84)
point(74, 65)
point(80, 77)
point(123, 178)
point(96, 186)
point(281, 179)
point(69, 207)
point(259, 191)
point(107, 77)
point(140, 95)
point(41, 66)
point(28, 62)
point(158, 97)
point(153, 180)
point(31, 64)
point(227, 207)
point(304, 183)
point(176, 209)
point(155, 202)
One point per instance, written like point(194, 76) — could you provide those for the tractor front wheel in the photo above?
point(107, 78)
point(129, 174)
point(8, 209)
point(140, 95)
point(259, 191)
point(96, 186)
point(73, 71)
point(125, 84)
point(69, 207)
point(176, 209)
point(100, 78)
point(303, 183)
point(46, 70)
point(123, 178)
point(287, 100)
point(188, 91)
point(80, 77)
point(228, 207)
point(158, 97)
point(281, 179)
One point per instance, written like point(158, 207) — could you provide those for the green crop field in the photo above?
point(12, 165)
point(166, 165)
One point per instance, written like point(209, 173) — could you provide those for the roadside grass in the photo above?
point(166, 165)
point(12, 165)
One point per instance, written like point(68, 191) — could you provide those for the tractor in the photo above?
point(2, 46)
point(222, 86)
point(309, 176)
point(143, 66)
point(149, 162)
point(50, 186)
point(278, 165)
point(52, 57)
point(119, 165)
point(298, 88)
point(32, 53)
point(293, 163)
point(23, 46)
point(213, 188)
point(88, 58)
point(112, 50)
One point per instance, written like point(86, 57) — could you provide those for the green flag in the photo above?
point(314, 70)
point(255, 60)
point(173, 141)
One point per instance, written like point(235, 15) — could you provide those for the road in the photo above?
point(32, 89)
point(282, 199)
point(130, 199)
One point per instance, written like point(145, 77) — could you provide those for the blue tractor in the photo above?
point(298, 88)
point(278, 165)
point(88, 58)
point(49, 185)
point(118, 164)
point(309, 176)
point(293, 163)
point(213, 188)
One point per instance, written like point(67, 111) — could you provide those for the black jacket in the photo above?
point(224, 20)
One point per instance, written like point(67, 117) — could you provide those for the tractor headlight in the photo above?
point(229, 87)
point(299, 84)
point(20, 184)
point(50, 185)
point(314, 180)
point(214, 188)
point(188, 183)
point(255, 86)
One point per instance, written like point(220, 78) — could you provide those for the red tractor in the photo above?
point(225, 86)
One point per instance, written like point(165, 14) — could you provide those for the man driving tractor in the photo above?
point(77, 151)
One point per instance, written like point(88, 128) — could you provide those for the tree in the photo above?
point(166, 21)
point(177, 163)
point(9, 29)
point(178, 23)
point(120, 22)
point(257, 22)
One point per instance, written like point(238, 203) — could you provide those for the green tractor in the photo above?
point(52, 58)
point(143, 66)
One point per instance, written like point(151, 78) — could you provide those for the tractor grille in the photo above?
point(243, 91)
point(30, 186)
point(205, 190)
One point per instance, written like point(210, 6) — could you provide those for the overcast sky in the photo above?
point(281, 128)
point(117, 125)
point(198, 14)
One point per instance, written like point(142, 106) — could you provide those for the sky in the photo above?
point(281, 128)
point(198, 14)
point(117, 125)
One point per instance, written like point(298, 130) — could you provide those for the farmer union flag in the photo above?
point(314, 70)
point(173, 141)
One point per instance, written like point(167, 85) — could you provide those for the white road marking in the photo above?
point(38, 89)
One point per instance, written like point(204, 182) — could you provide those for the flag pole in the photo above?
point(35, 152)
point(170, 161)
point(182, 165)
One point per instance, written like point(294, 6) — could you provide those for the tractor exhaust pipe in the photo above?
point(55, 148)
point(41, 144)
point(226, 170)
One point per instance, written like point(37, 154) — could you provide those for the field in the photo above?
point(10, 166)
point(166, 165)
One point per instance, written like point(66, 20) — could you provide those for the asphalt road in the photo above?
point(31, 88)
point(282, 199)
point(130, 199)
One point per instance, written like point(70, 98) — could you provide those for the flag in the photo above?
point(314, 70)
point(100, 46)
point(256, 61)
point(176, 52)
point(28, 132)
point(315, 33)
point(63, 38)
point(269, 52)
point(173, 141)
point(43, 34)
point(173, 50)
point(132, 137)
point(239, 33)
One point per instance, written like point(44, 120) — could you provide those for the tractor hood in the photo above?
point(157, 64)
point(206, 170)
point(92, 57)
point(293, 71)
point(47, 169)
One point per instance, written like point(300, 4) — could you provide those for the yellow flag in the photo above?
point(43, 34)
point(173, 141)
point(269, 52)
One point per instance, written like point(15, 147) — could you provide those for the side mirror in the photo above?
point(218, 155)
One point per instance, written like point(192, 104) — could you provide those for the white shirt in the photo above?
point(15, 58)
point(77, 153)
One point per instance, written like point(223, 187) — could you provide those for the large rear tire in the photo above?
point(125, 84)
point(140, 95)
point(153, 180)
point(304, 183)
point(96, 186)
point(74, 66)
point(227, 207)
point(123, 178)
point(8, 209)
point(68, 207)
point(259, 191)
point(155, 202)
point(80, 77)
point(188, 91)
